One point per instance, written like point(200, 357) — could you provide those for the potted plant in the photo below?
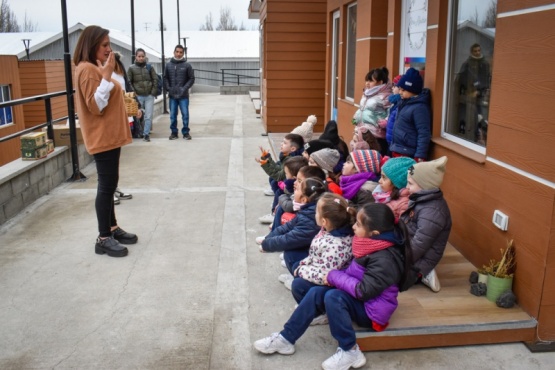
point(500, 273)
point(483, 274)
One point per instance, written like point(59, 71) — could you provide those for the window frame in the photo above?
point(449, 57)
point(348, 62)
point(3, 111)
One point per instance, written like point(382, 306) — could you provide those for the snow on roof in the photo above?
point(200, 44)
point(206, 44)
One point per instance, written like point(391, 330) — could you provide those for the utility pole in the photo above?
point(26, 43)
point(163, 56)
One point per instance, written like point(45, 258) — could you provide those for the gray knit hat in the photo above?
point(429, 175)
point(326, 158)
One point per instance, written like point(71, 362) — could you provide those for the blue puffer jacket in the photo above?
point(296, 234)
point(412, 129)
point(179, 77)
point(394, 99)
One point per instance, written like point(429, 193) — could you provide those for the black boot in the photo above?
point(110, 246)
point(124, 237)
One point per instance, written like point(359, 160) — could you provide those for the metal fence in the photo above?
point(235, 77)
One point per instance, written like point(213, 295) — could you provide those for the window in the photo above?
point(469, 72)
point(6, 116)
point(351, 52)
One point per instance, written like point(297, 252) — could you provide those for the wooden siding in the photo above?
point(294, 62)
point(522, 130)
point(41, 77)
point(9, 75)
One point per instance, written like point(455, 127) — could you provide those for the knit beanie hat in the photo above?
point(396, 79)
point(429, 175)
point(411, 81)
point(306, 129)
point(331, 133)
point(326, 158)
point(396, 170)
point(315, 145)
point(367, 160)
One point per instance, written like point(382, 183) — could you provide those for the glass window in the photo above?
point(469, 72)
point(351, 52)
point(6, 116)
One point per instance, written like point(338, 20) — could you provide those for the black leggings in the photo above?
point(107, 167)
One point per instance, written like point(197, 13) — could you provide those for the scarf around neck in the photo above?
point(365, 246)
point(351, 184)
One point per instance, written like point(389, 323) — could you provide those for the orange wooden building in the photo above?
point(500, 141)
point(29, 78)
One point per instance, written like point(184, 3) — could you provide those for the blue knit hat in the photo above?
point(396, 170)
point(411, 81)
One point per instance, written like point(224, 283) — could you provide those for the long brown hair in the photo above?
point(88, 43)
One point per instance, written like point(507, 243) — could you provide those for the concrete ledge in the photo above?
point(23, 182)
point(238, 90)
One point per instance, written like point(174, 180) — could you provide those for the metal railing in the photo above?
point(229, 78)
point(48, 124)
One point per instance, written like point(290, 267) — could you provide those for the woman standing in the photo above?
point(101, 111)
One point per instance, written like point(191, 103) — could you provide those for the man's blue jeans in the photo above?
point(147, 103)
point(184, 107)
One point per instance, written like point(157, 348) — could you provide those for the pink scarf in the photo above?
point(364, 246)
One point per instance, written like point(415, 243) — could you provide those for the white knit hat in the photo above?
point(429, 175)
point(326, 158)
point(306, 129)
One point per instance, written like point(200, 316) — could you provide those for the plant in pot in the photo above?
point(501, 273)
point(483, 274)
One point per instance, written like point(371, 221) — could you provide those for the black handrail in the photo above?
point(224, 77)
point(48, 124)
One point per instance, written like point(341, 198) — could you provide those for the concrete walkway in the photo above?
point(194, 293)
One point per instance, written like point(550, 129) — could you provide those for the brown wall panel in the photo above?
point(294, 28)
point(289, 85)
point(393, 40)
point(546, 326)
point(294, 47)
point(294, 37)
point(528, 151)
point(279, 75)
point(523, 120)
point(299, 65)
point(9, 75)
point(293, 17)
point(300, 7)
point(293, 93)
point(512, 5)
point(473, 192)
point(277, 57)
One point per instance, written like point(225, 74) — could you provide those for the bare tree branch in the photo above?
point(207, 26)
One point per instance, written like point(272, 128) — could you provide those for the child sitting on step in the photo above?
point(329, 250)
point(292, 145)
point(294, 237)
point(427, 218)
point(365, 293)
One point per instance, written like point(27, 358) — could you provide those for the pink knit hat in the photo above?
point(367, 160)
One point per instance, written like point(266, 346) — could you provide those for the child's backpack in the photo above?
point(158, 80)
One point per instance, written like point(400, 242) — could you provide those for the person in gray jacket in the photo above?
point(179, 77)
point(427, 218)
point(144, 81)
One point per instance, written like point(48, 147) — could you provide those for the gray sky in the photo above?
point(115, 14)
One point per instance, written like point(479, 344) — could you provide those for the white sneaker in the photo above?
point(344, 360)
point(266, 219)
point(284, 277)
point(261, 249)
point(288, 283)
point(432, 281)
point(281, 256)
point(269, 192)
point(283, 264)
point(320, 320)
point(274, 343)
point(260, 239)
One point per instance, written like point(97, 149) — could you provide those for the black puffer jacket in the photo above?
point(428, 221)
point(179, 77)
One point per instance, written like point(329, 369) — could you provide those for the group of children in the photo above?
point(350, 226)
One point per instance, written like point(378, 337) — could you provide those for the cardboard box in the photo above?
point(33, 140)
point(61, 134)
point(50, 146)
point(35, 153)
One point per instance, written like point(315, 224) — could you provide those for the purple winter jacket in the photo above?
point(372, 279)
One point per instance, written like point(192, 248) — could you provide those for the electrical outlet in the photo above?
point(500, 220)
